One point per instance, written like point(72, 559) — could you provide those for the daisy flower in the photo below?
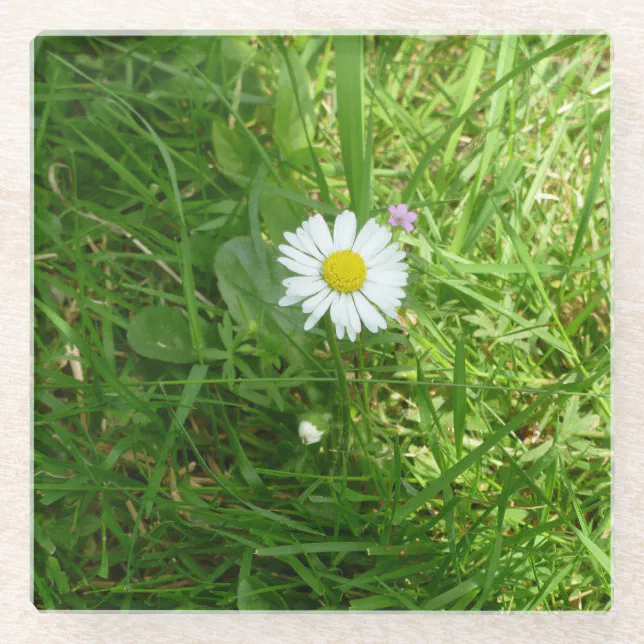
point(346, 274)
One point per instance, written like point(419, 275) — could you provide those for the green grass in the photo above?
point(468, 468)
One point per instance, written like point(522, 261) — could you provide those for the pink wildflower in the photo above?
point(400, 216)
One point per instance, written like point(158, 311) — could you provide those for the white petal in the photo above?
point(381, 298)
point(305, 290)
point(296, 267)
point(375, 244)
point(304, 236)
point(388, 255)
point(305, 286)
point(334, 310)
point(294, 241)
point(338, 228)
point(390, 249)
point(351, 226)
point(386, 282)
point(389, 291)
point(339, 331)
point(321, 234)
point(339, 312)
point(311, 321)
point(344, 310)
point(398, 269)
point(354, 318)
point(312, 302)
point(344, 230)
point(299, 256)
point(368, 313)
point(370, 228)
point(289, 300)
point(290, 281)
point(319, 311)
point(387, 279)
point(346, 305)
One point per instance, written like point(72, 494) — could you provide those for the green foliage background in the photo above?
point(473, 471)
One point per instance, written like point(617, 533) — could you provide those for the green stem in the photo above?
point(346, 408)
point(342, 380)
point(337, 358)
point(365, 391)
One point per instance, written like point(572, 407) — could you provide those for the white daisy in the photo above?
point(309, 433)
point(346, 274)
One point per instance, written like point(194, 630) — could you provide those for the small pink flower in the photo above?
point(400, 216)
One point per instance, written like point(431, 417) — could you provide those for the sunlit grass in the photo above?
point(473, 470)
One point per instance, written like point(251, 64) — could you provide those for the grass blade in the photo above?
point(456, 470)
point(591, 194)
point(490, 147)
point(190, 393)
point(454, 123)
point(470, 82)
point(350, 97)
point(460, 398)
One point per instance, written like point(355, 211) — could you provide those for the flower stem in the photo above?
point(342, 379)
point(365, 390)
point(337, 358)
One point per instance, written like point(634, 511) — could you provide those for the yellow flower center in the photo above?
point(344, 271)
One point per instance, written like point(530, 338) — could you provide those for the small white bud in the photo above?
point(309, 433)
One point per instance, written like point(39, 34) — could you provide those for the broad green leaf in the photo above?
point(305, 114)
point(162, 333)
point(278, 214)
point(237, 48)
point(231, 150)
point(248, 289)
point(290, 127)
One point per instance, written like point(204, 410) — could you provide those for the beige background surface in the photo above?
point(20, 22)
